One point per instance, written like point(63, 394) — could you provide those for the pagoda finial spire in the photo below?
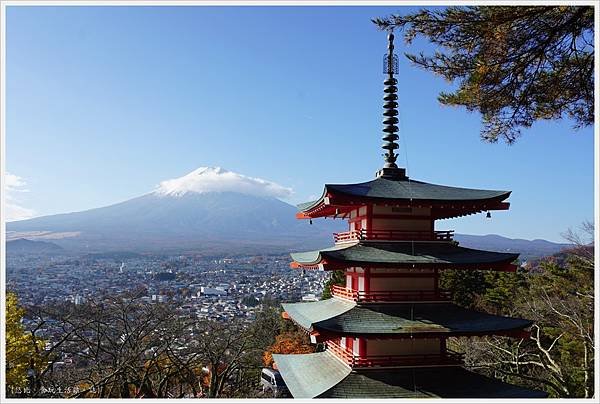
point(390, 114)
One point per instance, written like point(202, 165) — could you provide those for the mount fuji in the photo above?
point(207, 210)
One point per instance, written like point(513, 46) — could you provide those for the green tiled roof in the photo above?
point(305, 314)
point(415, 318)
point(444, 382)
point(404, 189)
point(308, 375)
point(305, 205)
point(321, 375)
point(405, 253)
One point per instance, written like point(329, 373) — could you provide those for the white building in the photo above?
point(212, 291)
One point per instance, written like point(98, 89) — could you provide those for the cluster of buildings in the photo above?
point(219, 289)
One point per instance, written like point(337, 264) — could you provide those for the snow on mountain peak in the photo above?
point(217, 179)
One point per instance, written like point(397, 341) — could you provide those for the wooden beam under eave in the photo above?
point(302, 215)
point(297, 265)
point(502, 206)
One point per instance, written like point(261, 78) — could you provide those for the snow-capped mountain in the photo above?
point(211, 210)
point(215, 179)
point(207, 209)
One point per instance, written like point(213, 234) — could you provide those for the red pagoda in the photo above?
point(385, 330)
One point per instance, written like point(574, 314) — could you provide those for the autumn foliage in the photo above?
point(288, 343)
point(22, 350)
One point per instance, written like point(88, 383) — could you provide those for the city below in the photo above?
point(219, 289)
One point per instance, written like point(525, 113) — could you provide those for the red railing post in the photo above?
point(388, 296)
point(400, 235)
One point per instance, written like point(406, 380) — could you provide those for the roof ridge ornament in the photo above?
point(390, 112)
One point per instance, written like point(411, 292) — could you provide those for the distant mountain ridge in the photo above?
point(527, 249)
point(25, 246)
point(212, 210)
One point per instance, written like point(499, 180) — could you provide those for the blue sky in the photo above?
point(103, 103)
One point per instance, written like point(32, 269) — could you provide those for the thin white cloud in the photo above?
point(13, 185)
point(216, 179)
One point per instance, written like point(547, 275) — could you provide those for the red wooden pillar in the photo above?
point(367, 276)
point(362, 347)
point(349, 344)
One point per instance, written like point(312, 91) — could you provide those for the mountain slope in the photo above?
point(208, 209)
point(160, 222)
point(214, 210)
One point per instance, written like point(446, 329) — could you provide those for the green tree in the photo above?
point(514, 65)
point(464, 285)
point(336, 278)
point(502, 289)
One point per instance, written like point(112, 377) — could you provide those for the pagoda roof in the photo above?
point(402, 254)
point(406, 191)
point(322, 375)
point(339, 316)
point(441, 382)
point(308, 375)
point(305, 314)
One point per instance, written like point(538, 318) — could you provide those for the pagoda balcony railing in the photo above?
point(448, 358)
point(393, 235)
point(390, 296)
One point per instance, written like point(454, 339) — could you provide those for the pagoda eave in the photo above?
point(339, 208)
point(322, 375)
point(334, 265)
point(339, 317)
point(405, 255)
point(319, 336)
point(324, 335)
point(446, 202)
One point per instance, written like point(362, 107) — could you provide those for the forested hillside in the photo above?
point(557, 293)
